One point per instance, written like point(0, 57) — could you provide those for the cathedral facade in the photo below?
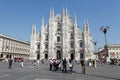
point(61, 38)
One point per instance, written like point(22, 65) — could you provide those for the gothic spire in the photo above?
point(51, 13)
point(42, 23)
point(86, 25)
point(33, 35)
point(63, 12)
point(75, 20)
point(66, 12)
point(33, 29)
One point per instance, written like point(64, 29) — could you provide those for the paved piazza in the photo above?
point(105, 72)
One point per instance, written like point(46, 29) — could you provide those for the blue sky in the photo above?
point(18, 16)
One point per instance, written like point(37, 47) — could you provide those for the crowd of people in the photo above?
point(64, 65)
point(10, 61)
point(114, 61)
point(35, 63)
point(61, 65)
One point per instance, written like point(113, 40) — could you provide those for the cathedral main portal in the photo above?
point(72, 56)
point(58, 54)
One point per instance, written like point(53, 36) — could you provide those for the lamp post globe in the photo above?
point(105, 30)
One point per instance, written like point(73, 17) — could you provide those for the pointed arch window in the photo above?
point(58, 26)
point(71, 44)
point(71, 36)
point(87, 28)
point(1, 56)
point(46, 46)
point(38, 46)
point(58, 38)
point(81, 44)
point(46, 37)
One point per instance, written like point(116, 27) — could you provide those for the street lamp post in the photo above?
point(95, 43)
point(105, 30)
point(83, 60)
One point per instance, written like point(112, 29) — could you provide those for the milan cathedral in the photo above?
point(61, 38)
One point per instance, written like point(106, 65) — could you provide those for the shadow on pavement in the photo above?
point(68, 71)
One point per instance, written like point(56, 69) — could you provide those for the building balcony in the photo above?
point(71, 30)
point(45, 32)
point(71, 39)
point(81, 51)
point(46, 50)
point(71, 49)
point(37, 50)
point(58, 32)
point(46, 40)
point(58, 44)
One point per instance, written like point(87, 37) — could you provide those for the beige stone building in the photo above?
point(14, 48)
point(113, 51)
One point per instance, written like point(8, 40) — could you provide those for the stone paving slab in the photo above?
point(42, 72)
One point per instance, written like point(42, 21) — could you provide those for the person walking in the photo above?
point(38, 63)
point(64, 65)
point(21, 62)
point(90, 63)
point(51, 64)
point(34, 63)
point(94, 63)
point(71, 65)
point(60, 65)
point(83, 66)
point(10, 63)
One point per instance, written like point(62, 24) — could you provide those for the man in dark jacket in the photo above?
point(65, 65)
